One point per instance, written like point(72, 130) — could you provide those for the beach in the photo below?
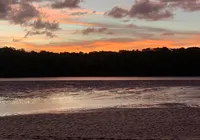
point(164, 123)
point(100, 110)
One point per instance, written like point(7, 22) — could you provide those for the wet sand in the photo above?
point(169, 123)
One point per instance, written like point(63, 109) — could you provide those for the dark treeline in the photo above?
point(148, 62)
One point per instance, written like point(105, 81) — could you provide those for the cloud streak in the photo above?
point(186, 5)
point(91, 30)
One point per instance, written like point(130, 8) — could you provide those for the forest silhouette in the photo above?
point(147, 62)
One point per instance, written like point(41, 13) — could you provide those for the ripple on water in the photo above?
point(30, 97)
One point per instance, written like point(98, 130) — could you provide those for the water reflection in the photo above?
point(46, 96)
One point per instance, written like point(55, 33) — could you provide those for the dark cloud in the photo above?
point(94, 30)
point(88, 31)
point(187, 5)
point(47, 25)
point(143, 9)
point(23, 13)
point(154, 9)
point(5, 6)
point(66, 4)
point(150, 10)
point(117, 12)
point(27, 15)
point(42, 27)
point(47, 33)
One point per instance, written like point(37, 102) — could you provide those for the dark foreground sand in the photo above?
point(181, 123)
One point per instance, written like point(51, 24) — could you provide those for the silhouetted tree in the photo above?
point(148, 62)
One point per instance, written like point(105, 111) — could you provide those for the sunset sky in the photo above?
point(96, 25)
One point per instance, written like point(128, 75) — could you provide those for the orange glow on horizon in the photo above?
point(106, 46)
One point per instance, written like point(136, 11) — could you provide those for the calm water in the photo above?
point(39, 95)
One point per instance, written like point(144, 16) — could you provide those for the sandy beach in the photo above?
point(171, 123)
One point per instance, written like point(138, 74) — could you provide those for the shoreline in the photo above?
point(100, 78)
point(172, 123)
